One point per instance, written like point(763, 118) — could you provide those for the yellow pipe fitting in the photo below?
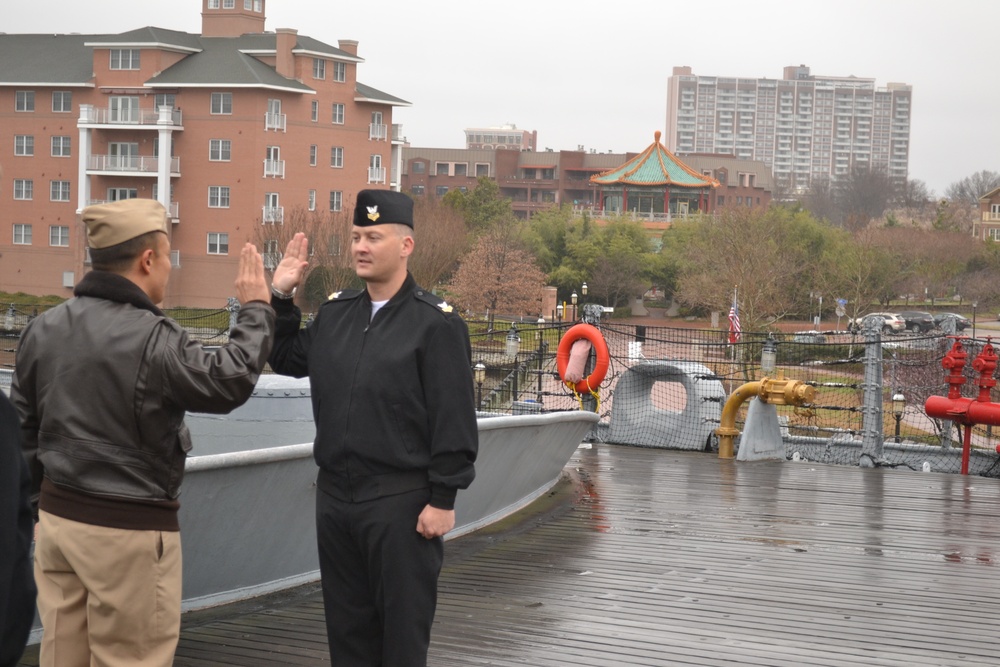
point(776, 391)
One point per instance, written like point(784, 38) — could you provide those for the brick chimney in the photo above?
point(349, 45)
point(284, 63)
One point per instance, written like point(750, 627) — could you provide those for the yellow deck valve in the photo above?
point(776, 391)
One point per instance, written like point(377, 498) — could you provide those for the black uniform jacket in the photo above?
point(392, 396)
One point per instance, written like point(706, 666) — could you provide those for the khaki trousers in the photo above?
point(107, 597)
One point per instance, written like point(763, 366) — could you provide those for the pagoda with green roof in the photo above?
point(655, 184)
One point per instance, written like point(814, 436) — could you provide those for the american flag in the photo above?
point(734, 322)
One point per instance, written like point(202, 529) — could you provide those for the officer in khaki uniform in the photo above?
point(101, 383)
point(396, 435)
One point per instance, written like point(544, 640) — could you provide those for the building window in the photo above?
point(218, 196)
point(22, 234)
point(24, 144)
point(461, 169)
point(993, 233)
point(24, 188)
point(58, 190)
point(312, 200)
point(312, 155)
point(222, 103)
point(59, 236)
point(417, 190)
point(442, 168)
point(340, 72)
point(228, 4)
point(125, 58)
point(61, 146)
point(338, 114)
point(258, 6)
point(315, 111)
point(336, 200)
point(482, 170)
point(24, 100)
point(218, 243)
point(219, 150)
point(248, 5)
point(337, 156)
point(418, 167)
point(319, 68)
point(441, 190)
point(213, 4)
point(62, 101)
point(164, 100)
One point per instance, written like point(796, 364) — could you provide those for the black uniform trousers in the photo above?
point(379, 579)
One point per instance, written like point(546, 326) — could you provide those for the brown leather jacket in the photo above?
point(102, 383)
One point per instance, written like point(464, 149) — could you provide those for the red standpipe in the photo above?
point(967, 411)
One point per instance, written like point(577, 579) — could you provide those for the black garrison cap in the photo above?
point(381, 207)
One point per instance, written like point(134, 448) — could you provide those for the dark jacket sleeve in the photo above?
point(22, 394)
point(17, 584)
point(290, 355)
point(449, 392)
point(221, 379)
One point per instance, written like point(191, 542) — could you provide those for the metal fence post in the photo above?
point(233, 306)
point(871, 430)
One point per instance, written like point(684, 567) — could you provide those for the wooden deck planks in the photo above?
point(662, 558)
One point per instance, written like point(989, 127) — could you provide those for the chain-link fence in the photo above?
point(666, 387)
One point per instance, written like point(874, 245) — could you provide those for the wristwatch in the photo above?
point(282, 295)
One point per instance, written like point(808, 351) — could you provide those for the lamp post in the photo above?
point(898, 404)
point(540, 339)
point(583, 289)
point(769, 356)
point(974, 304)
point(573, 299)
point(559, 312)
point(513, 347)
point(479, 375)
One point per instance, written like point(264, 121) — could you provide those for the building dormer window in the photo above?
point(125, 58)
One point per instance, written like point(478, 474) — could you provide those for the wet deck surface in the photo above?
point(653, 557)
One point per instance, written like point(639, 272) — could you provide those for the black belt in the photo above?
point(370, 487)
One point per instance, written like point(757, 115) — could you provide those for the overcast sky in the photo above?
point(595, 73)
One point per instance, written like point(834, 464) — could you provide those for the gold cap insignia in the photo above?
point(373, 213)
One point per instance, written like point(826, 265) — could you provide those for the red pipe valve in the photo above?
point(985, 364)
point(954, 362)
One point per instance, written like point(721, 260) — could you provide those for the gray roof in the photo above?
point(365, 93)
point(222, 63)
point(44, 59)
point(216, 61)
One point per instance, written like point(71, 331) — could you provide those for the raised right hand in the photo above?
point(288, 274)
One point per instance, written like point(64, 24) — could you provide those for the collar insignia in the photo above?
point(445, 307)
point(373, 213)
point(334, 295)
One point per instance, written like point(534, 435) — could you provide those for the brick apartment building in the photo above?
point(535, 181)
point(230, 129)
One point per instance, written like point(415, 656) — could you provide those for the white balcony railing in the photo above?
point(274, 121)
point(274, 168)
point(273, 214)
point(991, 216)
point(91, 115)
point(131, 164)
point(376, 174)
point(377, 131)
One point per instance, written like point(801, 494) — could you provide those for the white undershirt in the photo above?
point(375, 306)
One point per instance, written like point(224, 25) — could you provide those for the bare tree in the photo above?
point(329, 234)
point(971, 188)
point(441, 240)
point(862, 195)
point(498, 275)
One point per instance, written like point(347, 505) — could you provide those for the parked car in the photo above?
point(892, 323)
point(961, 322)
point(918, 321)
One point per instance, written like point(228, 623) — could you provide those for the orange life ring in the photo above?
point(590, 383)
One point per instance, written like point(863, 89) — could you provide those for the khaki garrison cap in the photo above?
point(120, 221)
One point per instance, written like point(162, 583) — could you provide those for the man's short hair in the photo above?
point(119, 258)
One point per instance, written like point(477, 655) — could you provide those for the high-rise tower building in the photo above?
point(803, 126)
